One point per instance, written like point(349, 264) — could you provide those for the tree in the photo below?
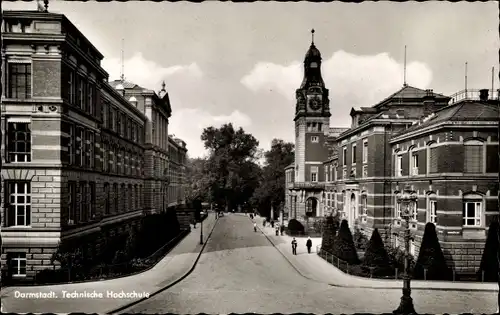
point(343, 246)
point(489, 262)
point(329, 232)
point(198, 184)
point(376, 255)
point(271, 191)
point(431, 259)
point(230, 168)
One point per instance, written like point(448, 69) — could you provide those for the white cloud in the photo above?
point(353, 80)
point(188, 124)
point(146, 73)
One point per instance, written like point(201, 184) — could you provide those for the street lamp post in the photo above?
point(201, 230)
point(408, 202)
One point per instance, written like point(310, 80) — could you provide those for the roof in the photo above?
point(313, 52)
point(463, 111)
point(410, 92)
point(126, 84)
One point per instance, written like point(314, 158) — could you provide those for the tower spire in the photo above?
point(312, 36)
point(122, 75)
point(404, 70)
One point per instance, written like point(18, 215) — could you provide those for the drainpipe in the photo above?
point(385, 180)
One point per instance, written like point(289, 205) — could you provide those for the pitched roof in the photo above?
point(410, 92)
point(126, 84)
point(462, 111)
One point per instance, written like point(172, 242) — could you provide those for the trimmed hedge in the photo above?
point(431, 262)
point(376, 255)
point(343, 246)
point(329, 231)
point(489, 261)
point(295, 226)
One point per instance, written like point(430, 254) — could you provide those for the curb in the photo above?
point(370, 287)
point(171, 284)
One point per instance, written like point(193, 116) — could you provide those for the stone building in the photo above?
point(445, 148)
point(73, 147)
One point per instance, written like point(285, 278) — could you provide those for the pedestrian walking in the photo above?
point(282, 229)
point(272, 223)
point(277, 230)
point(264, 223)
point(309, 244)
point(294, 246)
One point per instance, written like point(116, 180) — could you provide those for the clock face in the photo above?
point(314, 64)
point(314, 104)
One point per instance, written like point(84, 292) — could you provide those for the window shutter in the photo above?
point(473, 159)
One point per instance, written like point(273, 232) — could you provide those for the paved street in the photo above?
point(240, 271)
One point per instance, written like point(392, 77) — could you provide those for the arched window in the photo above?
point(397, 206)
point(413, 161)
point(473, 210)
point(473, 156)
point(311, 207)
point(364, 203)
point(431, 215)
point(432, 157)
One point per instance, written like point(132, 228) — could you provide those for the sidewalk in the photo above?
point(316, 268)
point(172, 267)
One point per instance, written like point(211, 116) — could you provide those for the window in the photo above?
point(115, 195)
point(92, 201)
point(19, 142)
point(314, 139)
point(397, 207)
point(20, 80)
point(72, 202)
point(353, 154)
point(433, 159)
point(85, 201)
point(111, 117)
point(344, 156)
point(71, 88)
point(399, 165)
point(80, 155)
point(123, 123)
point(432, 211)
point(365, 171)
point(414, 212)
point(473, 157)
point(118, 122)
point(105, 157)
point(91, 99)
point(81, 92)
point(414, 164)
point(334, 173)
point(17, 264)
point(472, 212)
point(18, 205)
point(71, 144)
point(364, 204)
point(89, 149)
point(365, 151)
point(396, 241)
point(314, 173)
point(136, 197)
point(327, 175)
point(107, 199)
point(130, 199)
point(412, 247)
point(344, 173)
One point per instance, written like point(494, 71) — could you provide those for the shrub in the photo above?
point(343, 246)
point(431, 257)
point(489, 261)
point(295, 226)
point(376, 255)
point(328, 235)
point(360, 240)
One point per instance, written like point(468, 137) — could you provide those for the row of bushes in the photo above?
point(384, 262)
point(120, 254)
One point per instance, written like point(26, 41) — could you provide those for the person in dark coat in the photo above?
point(272, 223)
point(294, 246)
point(309, 244)
point(282, 229)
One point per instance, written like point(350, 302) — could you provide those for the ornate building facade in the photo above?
point(75, 163)
point(445, 148)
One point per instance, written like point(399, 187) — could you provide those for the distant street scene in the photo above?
point(249, 158)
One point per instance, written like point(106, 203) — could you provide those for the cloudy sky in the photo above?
point(242, 62)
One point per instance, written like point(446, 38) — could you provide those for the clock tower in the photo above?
point(312, 120)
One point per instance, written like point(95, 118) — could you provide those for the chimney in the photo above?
point(429, 102)
point(483, 95)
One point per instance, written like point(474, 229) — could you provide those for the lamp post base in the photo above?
point(405, 307)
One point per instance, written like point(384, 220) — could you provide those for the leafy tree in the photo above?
point(271, 191)
point(230, 169)
point(198, 183)
point(431, 257)
point(376, 255)
point(343, 247)
point(489, 262)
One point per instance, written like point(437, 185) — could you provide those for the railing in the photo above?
point(59, 275)
point(392, 273)
point(473, 95)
